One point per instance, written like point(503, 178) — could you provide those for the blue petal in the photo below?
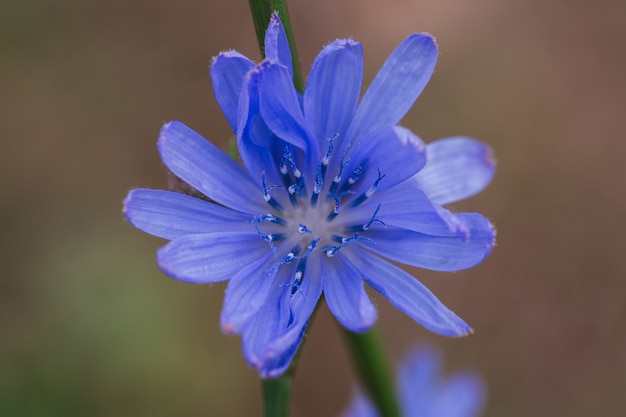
point(407, 294)
point(303, 301)
point(281, 111)
point(462, 395)
point(394, 152)
point(210, 257)
point(266, 325)
point(247, 292)
point(418, 380)
point(254, 139)
point(274, 366)
point(397, 85)
point(457, 168)
point(203, 166)
point(345, 295)
point(228, 71)
point(271, 338)
point(170, 215)
point(276, 44)
point(406, 207)
point(467, 248)
point(361, 406)
point(333, 88)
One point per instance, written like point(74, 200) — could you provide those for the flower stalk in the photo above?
point(261, 14)
point(374, 370)
point(277, 393)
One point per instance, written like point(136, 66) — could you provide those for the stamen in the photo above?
point(355, 175)
point(297, 278)
point(370, 191)
point(329, 151)
point(295, 189)
point(331, 250)
point(342, 164)
point(337, 199)
point(266, 195)
point(290, 257)
point(288, 159)
point(317, 188)
point(303, 229)
point(363, 227)
point(271, 218)
point(374, 219)
point(270, 238)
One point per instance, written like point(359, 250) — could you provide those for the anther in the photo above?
point(317, 188)
point(266, 195)
point(288, 159)
point(355, 175)
point(331, 250)
point(303, 229)
point(326, 158)
point(270, 238)
point(271, 218)
point(337, 199)
point(374, 219)
point(297, 277)
point(367, 194)
point(342, 164)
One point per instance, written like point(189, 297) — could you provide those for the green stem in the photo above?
point(277, 393)
point(261, 13)
point(374, 370)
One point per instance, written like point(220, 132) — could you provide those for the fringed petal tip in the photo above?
point(228, 53)
point(429, 37)
point(468, 331)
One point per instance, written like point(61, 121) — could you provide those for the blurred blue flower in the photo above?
point(330, 186)
point(423, 392)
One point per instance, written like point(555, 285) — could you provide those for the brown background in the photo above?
point(90, 327)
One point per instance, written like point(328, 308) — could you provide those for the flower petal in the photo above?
point(457, 168)
point(407, 294)
point(391, 153)
point(345, 295)
point(396, 86)
point(247, 292)
point(266, 325)
point(462, 395)
point(418, 379)
point(170, 215)
point(467, 248)
point(361, 406)
point(333, 87)
point(254, 139)
point(212, 257)
point(206, 168)
point(228, 71)
point(304, 299)
point(281, 111)
point(406, 207)
point(276, 44)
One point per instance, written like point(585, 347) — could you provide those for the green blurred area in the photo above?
point(90, 326)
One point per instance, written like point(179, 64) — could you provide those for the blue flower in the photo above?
point(424, 392)
point(330, 186)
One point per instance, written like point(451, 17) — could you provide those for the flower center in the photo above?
point(317, 216)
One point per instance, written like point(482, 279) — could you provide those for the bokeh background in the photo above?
point(90, 327)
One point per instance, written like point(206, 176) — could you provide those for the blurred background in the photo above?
point(90, 327)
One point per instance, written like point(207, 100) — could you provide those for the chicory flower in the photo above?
point(331, 188)
point(424, 392)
